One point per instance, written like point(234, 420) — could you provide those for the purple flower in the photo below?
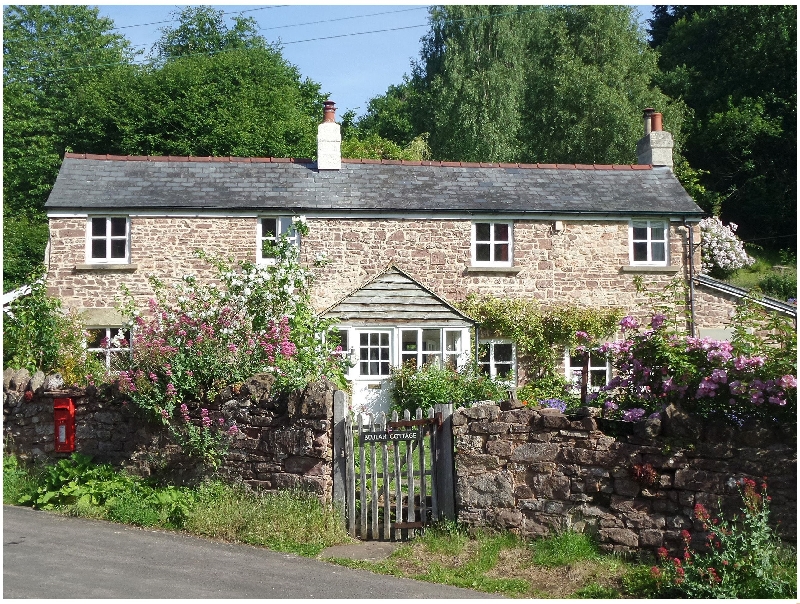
point(656, 415)
point(658, 320)
point(582, 336)
point(233, 430)
point(610, 406)
point(633, 415)
point(554, 403)
point(628, 322)
point(788, 381)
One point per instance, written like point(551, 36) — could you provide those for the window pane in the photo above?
point(659, 252)
point(99, 248)
point(268, 227)
point(451, 362)
point(483, 354)
point(343, 339)
point(384, 369)
point(503, 370)
point(502, 352)
point(640, 234)
point(98, 227)
point(408, 339)
point(118, 227)
point(363, 353)
point(657, 233)
point(501, 252)
point(576, 361)
point(373, 353)
point(640, 252)
point(482, 252)
point(431, 339)
point(374, 368)
point(434, 359)
point(484, 369)
point(118, 248)
point(483, 231)
point(409, 359)
point(384, 339)
point(364, 368)
point(363, 339)
point(384, 353)
point(598, 378)
point(95, 337)
point(286, 226)
point(501, 232)
point(452, 341)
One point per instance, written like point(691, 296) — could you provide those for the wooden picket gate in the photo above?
point(391, 475)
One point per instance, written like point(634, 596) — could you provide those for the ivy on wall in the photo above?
point(540, 333)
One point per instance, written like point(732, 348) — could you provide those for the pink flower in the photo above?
point(233, 430)
point(629, 322)
point(657, 321)
point(788, 381)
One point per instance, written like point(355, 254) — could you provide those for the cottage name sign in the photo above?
point(371, 437)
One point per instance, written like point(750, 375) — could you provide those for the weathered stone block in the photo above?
point(490, 412)
point(501, 448)
point(490, 489)
point(259, 387)
point(619, 535)
point(19, 380)
point(651, 538)
point(37, 382)
point(535, 452)
point(626, 487)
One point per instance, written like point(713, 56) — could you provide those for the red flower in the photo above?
point(700, 512)
point(662, 552)
point(685, 535)
point(28, 395)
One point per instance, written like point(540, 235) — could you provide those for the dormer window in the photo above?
point(648, 242)
point(270, 231)
point(107, 240)
point(492, 243)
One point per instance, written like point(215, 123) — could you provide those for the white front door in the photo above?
point(373, 363)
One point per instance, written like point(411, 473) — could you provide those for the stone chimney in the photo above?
point(329, 140)
point(655, 147)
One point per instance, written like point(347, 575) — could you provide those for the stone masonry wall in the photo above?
point(580, 265)
point(284, 442)
point(532, 471)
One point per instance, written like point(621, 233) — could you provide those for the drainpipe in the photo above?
point(691, 277)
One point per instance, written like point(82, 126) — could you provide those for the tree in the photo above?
point(202, 30)
point(49, 53)
point(528, 83)
point(736, 68)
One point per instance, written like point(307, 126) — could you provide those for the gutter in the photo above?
point(738, 292)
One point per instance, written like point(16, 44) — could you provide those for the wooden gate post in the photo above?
point(445, 470)
point(339, 457)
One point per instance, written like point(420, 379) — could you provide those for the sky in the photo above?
point(354, 51)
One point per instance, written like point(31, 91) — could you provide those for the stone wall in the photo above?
point(532, 471)
point(581, 264)
point(284, 442)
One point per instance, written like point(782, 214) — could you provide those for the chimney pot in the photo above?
point(328, 111)
point(656, 122)
point(648, 120)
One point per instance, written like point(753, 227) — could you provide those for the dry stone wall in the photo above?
point(533, 471)
point(284, 441)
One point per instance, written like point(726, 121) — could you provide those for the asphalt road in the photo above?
point(51, 556)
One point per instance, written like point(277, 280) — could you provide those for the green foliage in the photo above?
point(47, 54)
point(743, 557)
point(736, 69)
point(549, 386)
point(202, 30)
point(778, 286)
point(596, 591)
point(19, 482)
point(547, 84)
point(541, 334)
point(38, 335)
point(563, 548)
point(430, 385)
point(373, 146)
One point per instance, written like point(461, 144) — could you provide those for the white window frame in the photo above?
point(492, 242)
point(573, 372)
point(108, 238)
point(444, 354)
point(109, 353)
point(283, 226)
point(357, 347)
point(649, 241)
point(492, 362)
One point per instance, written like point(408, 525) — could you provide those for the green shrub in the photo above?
point(39, 335)
point(413, 388)
point(18, 481)
point(778, 286)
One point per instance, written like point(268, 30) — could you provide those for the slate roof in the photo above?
point(395, 294)
point(107, 183)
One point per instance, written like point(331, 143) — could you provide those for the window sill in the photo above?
point(510, 270)
point(106, 267)
point(644, 268)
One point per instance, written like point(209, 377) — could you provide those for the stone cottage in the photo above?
point(405, 240)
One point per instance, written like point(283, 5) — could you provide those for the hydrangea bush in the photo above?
point(752, 376)
point(722, 251)
point(199, 338)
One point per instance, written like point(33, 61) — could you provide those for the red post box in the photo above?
point(64, 416)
